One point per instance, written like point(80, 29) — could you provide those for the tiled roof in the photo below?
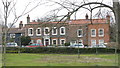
point(16, 30)
point(78, 21)
point(84, 21)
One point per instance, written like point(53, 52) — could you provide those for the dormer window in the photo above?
point(80, 33)
point(30, 32)
point(62, 31)
point(38, 31)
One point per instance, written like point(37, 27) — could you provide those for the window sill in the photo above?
point(101, 35)
point(93, 36)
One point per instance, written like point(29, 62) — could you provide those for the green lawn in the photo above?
point(60, 60)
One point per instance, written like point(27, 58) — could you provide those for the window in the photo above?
point(12, 35)
point(54, 31)
point(39, 41)
point(32, 41)
point(54, 41)
point(93, 42)
point(62, 31)
point(30, 32)
point(62, 41)
point(79, 32)
point(93, 32)
point(38, 31)
point(46, 31)
point(101, 32)
point(73, 42)
point(101, 42)
point(80, 41)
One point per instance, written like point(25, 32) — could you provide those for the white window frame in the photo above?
point(12, 35)
point(80, 40)
point(61, 41)
point(48, 41)
point(73, 42)
point(91, 33)
point(48, 31)
point(56, 41)
point(101, 41)
point(78, 33)
point(39, 40)
point(92, 42)
point(99, 32)
point(53, 30)
point(37, 32)
point(29, 32)
point(60, 31)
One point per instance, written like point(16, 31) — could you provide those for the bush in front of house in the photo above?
point(67, 44)
point(59, 50)
point(25, 40)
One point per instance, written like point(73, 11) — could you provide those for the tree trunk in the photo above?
point(116, 7)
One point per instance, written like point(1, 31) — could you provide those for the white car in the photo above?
point(98, 46)
point(12, 44)
point(77, 46)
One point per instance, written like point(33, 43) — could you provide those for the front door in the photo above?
point(46, 42)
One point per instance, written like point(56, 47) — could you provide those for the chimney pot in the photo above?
point(28, 19)
point(86, 16)
point(20, 25)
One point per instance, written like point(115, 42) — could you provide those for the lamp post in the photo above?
point(19, 44)
point(78, 52)
point(97, 49)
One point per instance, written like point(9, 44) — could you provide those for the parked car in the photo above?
point(77, 45)
point(98, 46)
point(35, 45)
point(12, 44)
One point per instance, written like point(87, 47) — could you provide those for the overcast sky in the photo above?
point(42, 10)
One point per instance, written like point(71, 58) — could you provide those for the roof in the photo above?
point(78, 21)
point(16, 30)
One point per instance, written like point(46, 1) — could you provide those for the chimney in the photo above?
point(86, 16)
point(20, 25)
point(28, 19)
point(108, 18)
point(68, 16)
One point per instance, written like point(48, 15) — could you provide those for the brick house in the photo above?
point(73, 31)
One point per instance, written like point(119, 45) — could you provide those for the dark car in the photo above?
point(35, 45)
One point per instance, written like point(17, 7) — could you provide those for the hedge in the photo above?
point(60, 50)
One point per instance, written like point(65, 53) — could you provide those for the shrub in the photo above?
point(67, 44)
point(60, 50)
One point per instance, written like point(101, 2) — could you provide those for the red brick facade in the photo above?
point(72, 31)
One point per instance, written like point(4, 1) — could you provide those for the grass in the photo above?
point(60, 60)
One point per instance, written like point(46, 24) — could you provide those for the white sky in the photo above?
point(41, 10)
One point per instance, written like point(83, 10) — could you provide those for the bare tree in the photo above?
point(9, 8)
point(115, 8)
